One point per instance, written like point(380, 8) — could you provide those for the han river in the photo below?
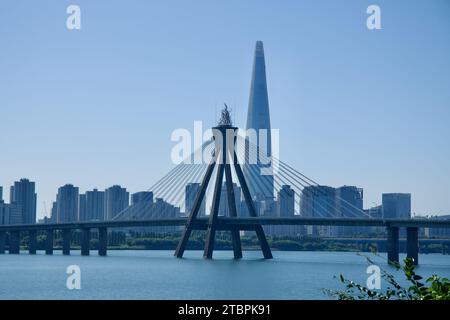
point(158, 275)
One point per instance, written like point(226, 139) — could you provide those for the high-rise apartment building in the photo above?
point(116, 200)
point(191, 192)
point(67, 204)
point(23, 193)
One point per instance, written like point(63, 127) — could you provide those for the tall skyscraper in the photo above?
point(191, 191)
point(349, 204)
point(396, 205)
point(54, 212)
point(285, 208)
point(10, 213)
point(1, 193)
point(145, 207)
point(319, 202)
point(143, 196)
point(23, 193)
point(82, 208)
point(224, 209)
point(116, 200)
point(67, 202)
point(286, 202)
point(95, 205)
point(163, 209)
point(375, 212)
point(258, 175)
point(142, 207)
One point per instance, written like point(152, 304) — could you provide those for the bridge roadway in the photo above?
point(247, 223)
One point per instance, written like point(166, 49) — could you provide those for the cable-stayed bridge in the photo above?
point(310, 205)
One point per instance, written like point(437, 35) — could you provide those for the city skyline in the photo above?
point(338, 93)
point(95, 204)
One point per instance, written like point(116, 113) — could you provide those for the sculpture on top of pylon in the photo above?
point(225, 117)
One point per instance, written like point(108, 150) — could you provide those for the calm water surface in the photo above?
point(158, 275)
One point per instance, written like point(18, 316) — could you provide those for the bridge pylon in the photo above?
point(223, 153)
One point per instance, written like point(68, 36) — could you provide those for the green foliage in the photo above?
point(434, 288)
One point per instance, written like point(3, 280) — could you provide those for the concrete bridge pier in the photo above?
point(32, 241)
point(67, 237)
point(85, 240)
point(102, 241)
point(49, 242)
point(14, 242)
point(2, 242)
point(392, 245)
point(412, 244)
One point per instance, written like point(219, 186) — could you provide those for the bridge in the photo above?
point(305, 203)
point(224, 223)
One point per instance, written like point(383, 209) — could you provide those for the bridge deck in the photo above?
point(242, 223)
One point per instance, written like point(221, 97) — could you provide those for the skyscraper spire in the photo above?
point(258, 118)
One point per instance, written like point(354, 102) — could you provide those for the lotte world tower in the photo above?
point(259, 174)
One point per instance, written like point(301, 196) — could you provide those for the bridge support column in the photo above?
point(267, 253)
point(2, 242)
point(49, 242)
point(392, 245)
point(67, 237)
point(412, 244)
point(213, 216)
point(32, 241)
point(102, 241)
point(85, 240)
point(14, 242)
point(236, 242)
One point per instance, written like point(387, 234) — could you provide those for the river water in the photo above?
point(158, 275)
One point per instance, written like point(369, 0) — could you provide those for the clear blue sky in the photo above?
point(96, 107)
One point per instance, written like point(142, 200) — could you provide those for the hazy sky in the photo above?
point(96, 106)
